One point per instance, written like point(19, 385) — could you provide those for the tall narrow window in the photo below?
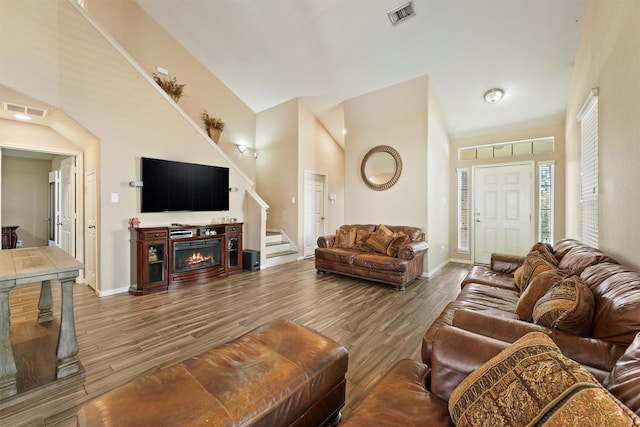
point(588, 118)
point(463, 210)
point(545, 202)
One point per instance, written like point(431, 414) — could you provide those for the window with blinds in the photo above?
point(588, 118)
point(545, 202)
point(463, 210)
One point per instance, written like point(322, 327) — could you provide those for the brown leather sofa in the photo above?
point(278, 374)
point(417, 394)
point(487, 304)
point(396, 270)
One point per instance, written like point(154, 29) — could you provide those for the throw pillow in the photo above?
point(346, 238)
point(379, 241)
point(567, 306)
point(361, 240)
point(546, 252)
point(536, 290)
point(335, 240)
point(532, 383)
point(533, 265)
point(401, 239)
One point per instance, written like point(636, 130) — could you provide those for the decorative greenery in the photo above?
point(212, 123)
point(171, 87)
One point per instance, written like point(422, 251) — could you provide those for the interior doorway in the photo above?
point(315, 184)
point(502, 211)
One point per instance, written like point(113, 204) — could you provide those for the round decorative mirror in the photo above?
point(381, 167)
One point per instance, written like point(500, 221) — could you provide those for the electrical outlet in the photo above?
point(19, 244)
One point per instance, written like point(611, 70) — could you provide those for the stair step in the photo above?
point(282, 253)
point(281, 242)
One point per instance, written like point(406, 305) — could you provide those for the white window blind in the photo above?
point(463, 210)
point(545, 202)
point(588, 118)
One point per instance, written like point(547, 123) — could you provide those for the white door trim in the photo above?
point(325, 180)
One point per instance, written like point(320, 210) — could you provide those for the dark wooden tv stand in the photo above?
point(161, 256)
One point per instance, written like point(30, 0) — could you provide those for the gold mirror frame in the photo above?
point(396, 175)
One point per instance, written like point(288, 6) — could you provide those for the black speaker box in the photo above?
point(250, 260)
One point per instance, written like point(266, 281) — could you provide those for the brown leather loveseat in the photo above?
point(384, 253)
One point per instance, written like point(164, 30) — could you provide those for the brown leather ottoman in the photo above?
point(279, 374)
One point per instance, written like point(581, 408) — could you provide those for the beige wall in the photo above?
point(277, 165)
point(557, 156)
point(65, 62)
point(438, 186)
point(151, 46)
point(395, 116)
point(320, 153)
point(25, 188)
point(608, 58)
point(289, 141)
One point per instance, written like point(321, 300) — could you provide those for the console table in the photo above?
point(41, 264)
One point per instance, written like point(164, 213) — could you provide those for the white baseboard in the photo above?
point(461, 261)
point(435, 270)
point(115, 291)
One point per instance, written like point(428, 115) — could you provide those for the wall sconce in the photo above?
point(241, 148)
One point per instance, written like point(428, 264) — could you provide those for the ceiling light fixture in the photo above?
point(493, 95)
point(241, 148)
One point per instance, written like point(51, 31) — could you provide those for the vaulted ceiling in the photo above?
point(327, 51)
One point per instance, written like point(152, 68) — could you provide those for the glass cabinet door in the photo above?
point(155, 262)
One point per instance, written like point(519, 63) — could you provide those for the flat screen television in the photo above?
point(177, 186)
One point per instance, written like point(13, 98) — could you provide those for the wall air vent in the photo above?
point(24, 109)
point(401, 13)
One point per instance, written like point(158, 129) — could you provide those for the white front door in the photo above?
point(68, 205)
point(502, 214)
point(91, 243)
point(313, 210)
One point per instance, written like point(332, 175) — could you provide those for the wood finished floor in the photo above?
point(122, 337)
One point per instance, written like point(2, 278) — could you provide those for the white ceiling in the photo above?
point(327, 51)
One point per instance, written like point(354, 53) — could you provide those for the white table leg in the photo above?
point(45, 303)
point(67, 349)
point(8, 371)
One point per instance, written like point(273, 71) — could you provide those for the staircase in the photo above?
point(279, 249)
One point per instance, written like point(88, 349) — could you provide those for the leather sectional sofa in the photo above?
point(485, 319)
point(397, 263)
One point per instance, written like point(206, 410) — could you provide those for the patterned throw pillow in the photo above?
point(361, 240)
point(532, 383)
point(533, 265)
point(346, 238)
point(401, 239)
point(379, 241)
point(536, 290)
point(567, 306)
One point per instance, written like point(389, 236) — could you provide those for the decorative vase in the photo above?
point(214, 134)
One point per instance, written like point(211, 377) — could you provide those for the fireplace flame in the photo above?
point(197, 258)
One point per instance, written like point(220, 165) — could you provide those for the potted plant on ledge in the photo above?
point(214, 126)
point(171, 87)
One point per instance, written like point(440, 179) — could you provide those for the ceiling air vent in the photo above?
point(24, 109)
point(401, 13)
